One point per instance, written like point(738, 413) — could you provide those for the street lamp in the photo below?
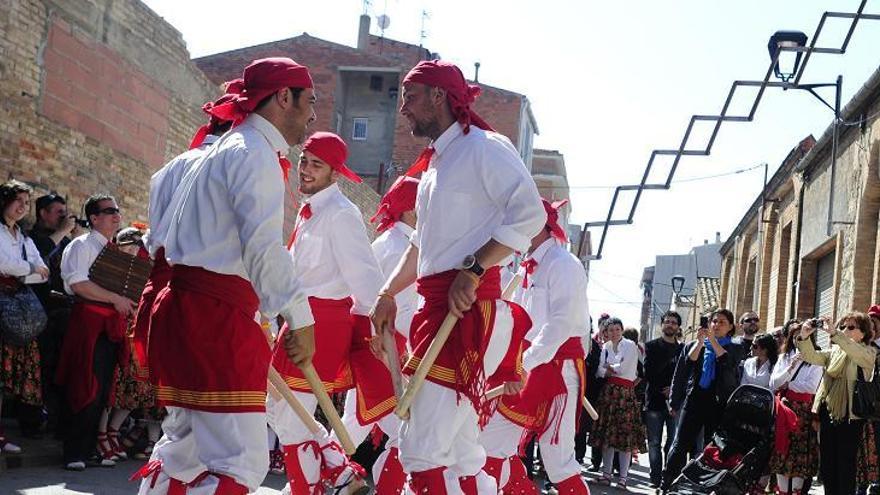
point(677, 285)
point(781, 44)
point(790, 40)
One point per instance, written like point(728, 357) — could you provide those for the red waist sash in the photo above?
point(541, 402)
point(206, 351)
point(343, 359)
point(798, 396)
point(621, 382)
point(88, 320)
point(460, 363)
point(160, 275)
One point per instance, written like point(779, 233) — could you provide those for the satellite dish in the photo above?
point(384, 21)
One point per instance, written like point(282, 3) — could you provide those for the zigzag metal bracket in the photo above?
point(762, 85)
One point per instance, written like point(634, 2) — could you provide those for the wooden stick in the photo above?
point(495, 392)
point(329, 409)
point(418, 378)
point(589, 408)
point(511, 287)
point(393, 361)
point(281, 389)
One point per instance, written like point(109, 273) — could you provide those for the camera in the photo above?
point(816, 323)
point(81, 222)
point(704, 322)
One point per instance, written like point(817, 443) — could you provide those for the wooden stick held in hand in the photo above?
point(393, 361)
point(281, 389)
point(328, 408)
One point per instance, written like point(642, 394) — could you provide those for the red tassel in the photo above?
point(430, 482)
point(376, 435)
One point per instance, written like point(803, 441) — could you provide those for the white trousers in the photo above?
point(443, 431)
point(233, 444)
point(501, 437)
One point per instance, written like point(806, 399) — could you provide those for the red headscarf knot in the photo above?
point(331, 149)
point(260, 79)
point(232, 89)
point(552, 224)
point(400, 198)
point(459, 93)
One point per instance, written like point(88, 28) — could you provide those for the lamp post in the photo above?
point(786, 49)
point(677, 285)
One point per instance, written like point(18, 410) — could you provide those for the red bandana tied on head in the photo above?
point(552, 224)
point(400, 198)
point(262, 78)
point(459, 93)
point(232, 89)
point(331, 149)
point(874, 311)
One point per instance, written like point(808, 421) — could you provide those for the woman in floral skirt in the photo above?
point(20, 263)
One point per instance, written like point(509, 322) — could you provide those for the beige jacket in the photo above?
point(858, 354)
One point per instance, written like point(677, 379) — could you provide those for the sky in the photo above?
point(608, 82)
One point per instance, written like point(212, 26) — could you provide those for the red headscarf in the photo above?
point(260, 79)
point(552, 210)
point(331, 149)
point(232, 89)
point(874, 311)
point(459, 93)
point(400, 198)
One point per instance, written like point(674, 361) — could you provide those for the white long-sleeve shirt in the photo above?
point(476, 188)
point(556, 300)
point(754, 375)
point(162, 186)
point(12, 263)
point(227, 213)
point(389, 249)
point(332, 254)
point(806, 381)
point(78, 257)
point(624, 361)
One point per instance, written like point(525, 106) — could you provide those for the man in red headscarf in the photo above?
point(337, 271)
point(477, 204)
point(208, 357)
point(162, 186)
point(546, 401)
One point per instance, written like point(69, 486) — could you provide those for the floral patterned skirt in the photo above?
point(867, 469)
point(20, 372)
point(620, 423)
point(803, 452)
point(129, 392)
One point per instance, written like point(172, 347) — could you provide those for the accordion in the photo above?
point(120, 273)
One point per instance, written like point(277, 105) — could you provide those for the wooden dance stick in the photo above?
point(418, 378)
point(328, 408)
point(392, 359)
point(281, 389)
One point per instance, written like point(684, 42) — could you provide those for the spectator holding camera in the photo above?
point(20, 264)
point(840, 430)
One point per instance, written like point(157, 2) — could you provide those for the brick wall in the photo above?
point(95, 97)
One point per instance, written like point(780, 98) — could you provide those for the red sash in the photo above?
point(621, 382)
point(542, 401)
point(88, 320)
point(343, 359)
point(160, 275)
point(460, 363)
point(206, 351)
point(798, 396)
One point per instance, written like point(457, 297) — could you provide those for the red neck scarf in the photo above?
point(552, 210)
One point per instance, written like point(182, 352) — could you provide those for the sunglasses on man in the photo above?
point(109, 211)
point(751, 320)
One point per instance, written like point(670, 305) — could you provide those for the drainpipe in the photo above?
point(795, 286)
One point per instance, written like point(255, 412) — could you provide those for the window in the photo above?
point(359, 129)
point(376, 83)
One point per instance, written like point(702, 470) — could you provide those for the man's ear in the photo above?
point(438, 96)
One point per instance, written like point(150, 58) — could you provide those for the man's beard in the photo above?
point(750, 330)
point(669, 332)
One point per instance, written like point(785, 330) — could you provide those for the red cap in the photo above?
point(331, 149)
point(232, 89)
point(260, 79)
point(459, 93)
point(400, 198)
point(552, 210)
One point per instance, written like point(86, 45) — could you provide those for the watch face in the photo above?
point(469, 261)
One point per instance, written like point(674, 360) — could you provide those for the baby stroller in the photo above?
point(739, 450)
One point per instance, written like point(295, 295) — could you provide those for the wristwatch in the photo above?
point(471, 264)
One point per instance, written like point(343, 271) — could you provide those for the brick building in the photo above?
point(807, 262)
point(358, 89)
point(96, 96)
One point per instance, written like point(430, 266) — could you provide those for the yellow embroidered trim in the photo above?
point(224, 398)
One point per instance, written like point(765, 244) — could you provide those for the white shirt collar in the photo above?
point(449, 135)
point(209, 140)
point(403, 228)
point(271, 133)
point(324, 195)
point(99, 237)
point(541, 251)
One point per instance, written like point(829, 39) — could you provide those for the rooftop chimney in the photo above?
point(717, 237)
point(476, 72)
point(364, 32)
